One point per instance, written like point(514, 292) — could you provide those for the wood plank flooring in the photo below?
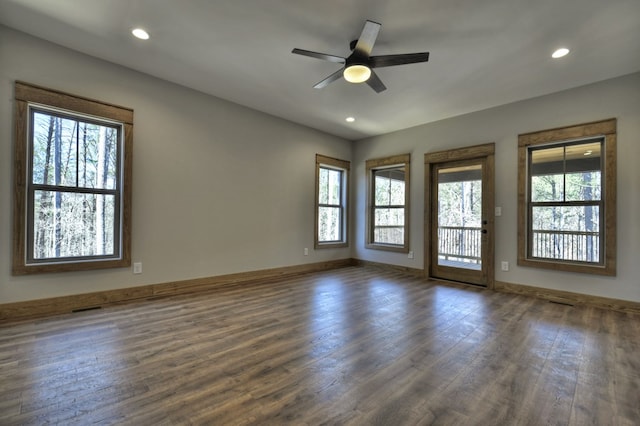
point(354, 346)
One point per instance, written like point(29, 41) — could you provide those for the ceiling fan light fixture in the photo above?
point(357, 73)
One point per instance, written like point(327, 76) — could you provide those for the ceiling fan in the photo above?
point(358, 67)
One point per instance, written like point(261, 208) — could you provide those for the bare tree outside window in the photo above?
point(566, 189)
point(74, 175)
point(388, 203)
point(460, 215)
point(389, 190)
point(330, 205)
point(567, 198)
point(72, 207)
point(332, 177)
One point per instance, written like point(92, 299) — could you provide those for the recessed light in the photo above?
point(563, 51)
point(350, 119)
point(140, 33)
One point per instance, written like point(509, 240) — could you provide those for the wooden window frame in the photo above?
point(403, 160)
point(605, 129)
point(26, 96)
point(343, 166)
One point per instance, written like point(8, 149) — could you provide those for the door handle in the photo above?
point(484, 222)
point(484, 231)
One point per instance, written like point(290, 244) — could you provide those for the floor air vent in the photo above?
point(93, 308)
point(558, 302)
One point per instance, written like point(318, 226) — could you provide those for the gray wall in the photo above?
point(217, 188)
point(619, 98)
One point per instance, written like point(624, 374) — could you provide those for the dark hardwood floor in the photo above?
point(349, 346)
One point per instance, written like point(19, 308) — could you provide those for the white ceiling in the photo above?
point(482, 53)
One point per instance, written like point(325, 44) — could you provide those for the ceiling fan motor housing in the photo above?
point(355, 59)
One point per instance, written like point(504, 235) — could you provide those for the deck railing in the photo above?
point(463, 244)
point(459, 243)
point(580, 246)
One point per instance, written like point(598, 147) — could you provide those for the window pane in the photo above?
point(382, 186)
point(329, 226)
point(323, 186)
point(54, 150)
point(389, 216)
point(389, 187)
point(566, 233)
point(73, 225)
point(397, 187)
point(583, 156)
point(583, 179)
point(583, 186)
point(98, 156)
point(547, 160)
point(334, 182)
point(547, 188)
point(566, 218)
point(460, 203)
point(566, 173)
point(547, 174)
point(393, 235)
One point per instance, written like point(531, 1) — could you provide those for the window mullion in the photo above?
point(75, 190)
point(77, 153)
point(564, 174)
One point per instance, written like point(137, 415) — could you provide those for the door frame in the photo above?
point(476, 152)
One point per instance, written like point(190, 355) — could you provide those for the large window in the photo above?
point(332, 177)
point(388, 203)
point(567, 211)
point(72, 182)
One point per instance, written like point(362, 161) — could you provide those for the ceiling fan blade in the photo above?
point(333, 77)
point(323, 56)
point(375, 83)
point(367, 38)
point(392, 60)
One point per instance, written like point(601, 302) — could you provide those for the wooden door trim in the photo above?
point(484, 151)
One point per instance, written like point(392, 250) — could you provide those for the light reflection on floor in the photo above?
point(89, 373)
point(371, 331)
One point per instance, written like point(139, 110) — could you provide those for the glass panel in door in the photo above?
point(458, 231)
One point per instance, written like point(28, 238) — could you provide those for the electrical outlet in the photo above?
point(137, 268)
point(505, 265)
point(498, 211)
point(410, 255)
point(306, 251)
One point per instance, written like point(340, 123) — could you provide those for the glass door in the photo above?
point(460, 219)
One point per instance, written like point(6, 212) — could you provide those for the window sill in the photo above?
point(319, 246)
point(387, 247)
point(569, 267)
point(37, 268)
